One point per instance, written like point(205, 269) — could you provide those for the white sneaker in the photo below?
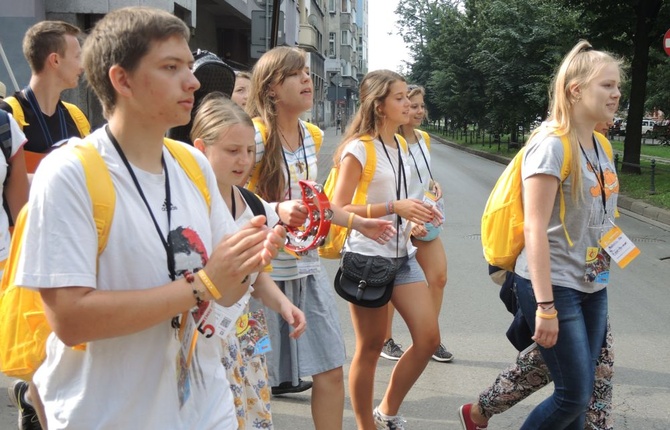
point(389, 423)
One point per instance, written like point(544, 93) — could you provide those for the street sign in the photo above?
point(666, 42)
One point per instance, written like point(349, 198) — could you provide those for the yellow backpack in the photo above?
point(332, 247)
point(77, 115)
point(260, 125)
point(426, 138)
point(23, 326)
point(503, 218)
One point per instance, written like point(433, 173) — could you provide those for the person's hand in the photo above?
point(418, 230)
point(294, 317)
point(292, 212)
point(437, 190)
point(380, 230)
point(237, 255)
point(546, 331)
point(413, 210)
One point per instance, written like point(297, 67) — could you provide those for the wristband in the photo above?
point(547, 307)
point(549, 302)
point(391, 207)
point(350, 221)
point(209, 284)
point(369, 209)
point(544, 316)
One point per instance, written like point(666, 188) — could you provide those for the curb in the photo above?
point(639, 207)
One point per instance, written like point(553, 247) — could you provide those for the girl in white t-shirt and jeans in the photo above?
point(385, 107)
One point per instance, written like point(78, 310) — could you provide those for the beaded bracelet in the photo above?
point(209, 284)
point(198, 294)
point(391, 207)
point(544, 316)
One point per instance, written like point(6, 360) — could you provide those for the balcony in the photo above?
point(308, 38)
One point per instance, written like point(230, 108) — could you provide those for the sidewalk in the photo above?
point(637, 207)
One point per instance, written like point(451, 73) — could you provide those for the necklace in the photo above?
point(299, 164)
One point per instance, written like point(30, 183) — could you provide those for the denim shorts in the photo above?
point(408, 271)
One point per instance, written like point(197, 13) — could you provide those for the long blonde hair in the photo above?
point(375, 87)
point(271, 69)
point(578, 68)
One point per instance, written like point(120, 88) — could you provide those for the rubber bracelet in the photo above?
point(547, 307)
point(544, 316)
point(350, 221)
point(369, 210)
point(209, 284)
point(549, 302)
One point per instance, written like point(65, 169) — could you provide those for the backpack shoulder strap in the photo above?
point(79, 118)
point(565, 172)
point(426, 138)
point(17, 111)
point(316, 135)
point(605, 143)
point(100, 188)
point(402, 142)
point(254, 202)
point(260, 125)
point(255, 175)
point(361, 194)
point(190, 165)
point(5, 135)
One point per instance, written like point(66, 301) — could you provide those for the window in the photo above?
point(332, 52)
point(346, 6)
point(345, 37)
point(331, 6)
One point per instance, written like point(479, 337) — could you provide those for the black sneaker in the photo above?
point(391, 350)
point(27, 415)
point(442, 355)
point(288, 388)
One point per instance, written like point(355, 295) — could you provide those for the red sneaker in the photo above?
point(466, 421)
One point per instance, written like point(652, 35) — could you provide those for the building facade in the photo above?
point(332, 32)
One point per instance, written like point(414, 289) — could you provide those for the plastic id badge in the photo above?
point(619, 247)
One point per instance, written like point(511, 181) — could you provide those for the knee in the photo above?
point(329, 380)
point(437, 280)
point(427, 342)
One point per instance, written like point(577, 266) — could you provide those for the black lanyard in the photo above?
point(600, 176)
point(233, 205)
point(167, 244)
point(304, 154)
point(401, 171)
point(425, 160)
point(35, 106)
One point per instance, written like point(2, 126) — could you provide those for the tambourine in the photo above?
point(313, 232)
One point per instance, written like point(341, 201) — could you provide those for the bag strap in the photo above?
point(79, 119)
point(6, 140)
point(17, 111)
point(426, 138)
point(254, 202)
point(565, 172)
point(100, 188)
point(190, 165)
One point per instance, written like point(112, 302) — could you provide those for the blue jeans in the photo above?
point(582, 322)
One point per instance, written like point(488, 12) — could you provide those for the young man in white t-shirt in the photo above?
point(135, 369)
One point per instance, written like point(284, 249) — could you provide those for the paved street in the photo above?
point(473, 321)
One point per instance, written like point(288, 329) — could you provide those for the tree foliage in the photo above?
point(490, 62)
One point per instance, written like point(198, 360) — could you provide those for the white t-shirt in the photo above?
point(419, 160)
point(382, 188)
point(18, 140)
point(128, 381)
